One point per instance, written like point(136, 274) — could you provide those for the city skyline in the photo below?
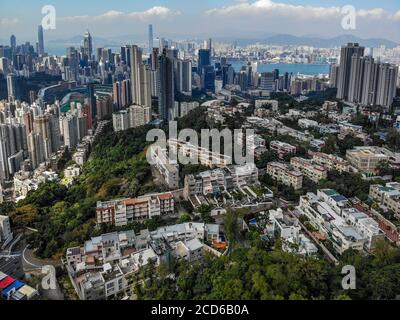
point(266, 17)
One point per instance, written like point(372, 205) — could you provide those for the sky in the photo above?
point(200, 18)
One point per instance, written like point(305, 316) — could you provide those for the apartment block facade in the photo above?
point(285, 175)
point(311, 170)
point(121, 212)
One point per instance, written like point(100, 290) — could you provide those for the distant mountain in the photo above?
point(277, 39)
point(283, 39)
point(78, 41)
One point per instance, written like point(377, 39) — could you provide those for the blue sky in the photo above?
point(200, 17)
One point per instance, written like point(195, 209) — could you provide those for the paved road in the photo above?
point(31, 262)
point(34, 264)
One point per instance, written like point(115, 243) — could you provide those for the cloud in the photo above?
point(8, 21)
point(157, 11)
point(397, 16)
point(262, 7)
point(377, 13)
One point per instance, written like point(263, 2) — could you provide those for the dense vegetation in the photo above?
point(65, 217)
point(259, 273)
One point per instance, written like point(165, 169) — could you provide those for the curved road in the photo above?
point(32, 263)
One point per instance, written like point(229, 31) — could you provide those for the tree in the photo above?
point(184, 218)
point(330, 144)
point(393, 139)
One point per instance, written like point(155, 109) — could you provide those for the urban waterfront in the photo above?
point(295, 68)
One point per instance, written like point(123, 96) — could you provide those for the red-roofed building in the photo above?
point(7, 281)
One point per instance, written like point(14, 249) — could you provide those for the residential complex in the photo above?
point(107, 266)
point(217, 181)
point(330, 162)
point(313, 171)
point(133, 117)
point(282, 149)
point(366, 159)
point(121, 212)
point(168, 169)
point(288, 229)
point(198, 154)
point(285, 175)
point(345, 226)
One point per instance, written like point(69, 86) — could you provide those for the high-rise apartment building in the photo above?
point(346, 55)
point(166, 97)
point(136, 60)
point(356, 78)
point(386, 87)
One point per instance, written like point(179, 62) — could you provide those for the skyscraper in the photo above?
point(208, 78)
point(11, 87)
point(87, 45)
point(136, 60)
point(40, 41)
point(13, 43)
point(154, 59)
point(166, 97)
point(203, 60)
point(150, 39)
point(346, 54)
point(123, 54)
point(187, 77)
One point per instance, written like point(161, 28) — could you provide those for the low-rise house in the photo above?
point(387, 196)
point(307, 123)
point(25, 181)
point(288, 229)
point(70, 174)
point(14, 289)
point(345, 226)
